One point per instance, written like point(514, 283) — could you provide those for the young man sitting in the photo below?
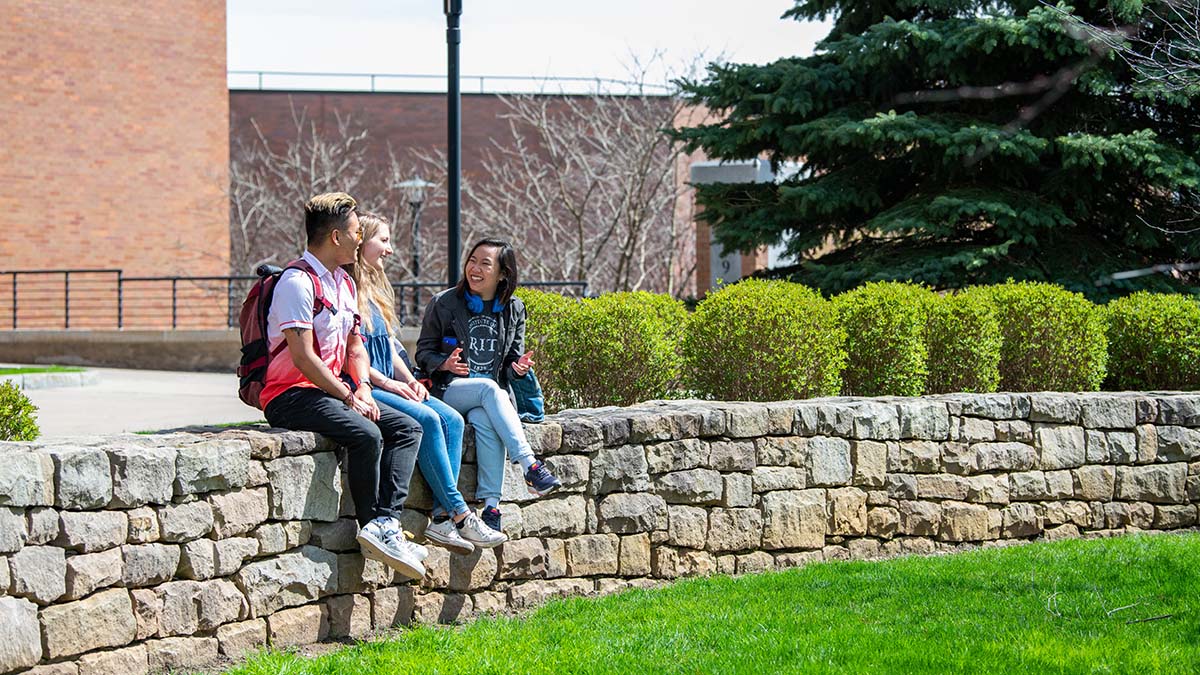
point(320, 382)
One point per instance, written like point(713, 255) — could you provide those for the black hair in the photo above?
point(508, 269)
point(327, 212)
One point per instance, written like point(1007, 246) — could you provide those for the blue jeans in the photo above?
point(440, 454)
point(497, 429)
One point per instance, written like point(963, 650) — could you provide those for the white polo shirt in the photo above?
point(292, 307)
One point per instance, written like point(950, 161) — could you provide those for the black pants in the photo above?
point(381, 454)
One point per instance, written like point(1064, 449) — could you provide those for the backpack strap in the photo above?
point(319, 302)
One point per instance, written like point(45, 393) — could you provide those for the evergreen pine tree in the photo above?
point(954, 142)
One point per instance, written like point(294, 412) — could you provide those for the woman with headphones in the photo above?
point(472, 343)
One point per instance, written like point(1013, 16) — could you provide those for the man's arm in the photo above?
point(299, 342)
point(358, 365)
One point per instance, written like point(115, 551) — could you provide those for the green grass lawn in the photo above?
point(30, 370)
point(1127, 605)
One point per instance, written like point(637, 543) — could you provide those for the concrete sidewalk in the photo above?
point(140, 400)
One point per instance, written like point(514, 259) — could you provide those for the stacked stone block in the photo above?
point(134, 554)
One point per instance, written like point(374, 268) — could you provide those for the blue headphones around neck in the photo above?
point(475, 304)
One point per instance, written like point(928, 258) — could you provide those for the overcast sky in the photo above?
point(560, 38)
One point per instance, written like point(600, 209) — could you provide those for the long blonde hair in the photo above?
point(372, 282)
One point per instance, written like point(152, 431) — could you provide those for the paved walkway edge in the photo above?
point(84, 378)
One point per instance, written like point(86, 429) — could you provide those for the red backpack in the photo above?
point(252, 372)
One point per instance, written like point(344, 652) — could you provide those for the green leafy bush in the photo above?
point(541, 311)
point(18, 415)
point(1153, 342)
point(764, 341)
point(1051, 339)
point(617, 349)
point(885, 338)
point(963, 339)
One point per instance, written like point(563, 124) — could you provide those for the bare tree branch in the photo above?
point(269, 184)
point(590, 187)
point(1163, 48)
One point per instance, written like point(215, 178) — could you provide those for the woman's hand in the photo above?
point(454, 364)
point(522, 365)
point(412, 390)
point(394, 386)
point(419, 390)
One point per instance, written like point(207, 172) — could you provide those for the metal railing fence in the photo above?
point(103, 299)
point(279, 80)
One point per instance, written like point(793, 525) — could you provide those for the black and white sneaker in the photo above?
point(388, 546)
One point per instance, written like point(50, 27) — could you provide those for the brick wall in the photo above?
point(404, 120)
point(417, 121)
point(115, 137)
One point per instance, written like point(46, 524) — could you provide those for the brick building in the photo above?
point(115, 143)
point(406, 120)
point(115, 156)
point(416, 120)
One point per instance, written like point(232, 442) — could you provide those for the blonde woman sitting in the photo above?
point(439, 456)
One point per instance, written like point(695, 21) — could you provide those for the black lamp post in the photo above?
point(414, 192)
point(453, 10)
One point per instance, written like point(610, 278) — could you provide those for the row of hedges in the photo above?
point(773, 340)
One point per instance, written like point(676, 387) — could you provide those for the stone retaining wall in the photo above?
point(129, 554)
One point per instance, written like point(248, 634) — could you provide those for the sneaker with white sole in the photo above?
point(540, 481)
point(388, 545)
point(446, 533)
point(478, 533)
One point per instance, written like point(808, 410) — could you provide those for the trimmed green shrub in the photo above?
point(1153, 342)
point(963, 339)
point(764, 341)
point(541, 311)
point(617, 349)
point(885, 338)
point(18, 415)
point(1051, 339)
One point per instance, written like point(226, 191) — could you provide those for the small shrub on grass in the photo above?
point(617, 349)
point(1051, 339)
point(963, 339)
point(764, 341)
point(885, 339)
point(1153, 342)
point(18, 415)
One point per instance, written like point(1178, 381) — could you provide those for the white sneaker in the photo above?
point(446, 534)
point(389, 547)
point(476, 532)
point(418, 550)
